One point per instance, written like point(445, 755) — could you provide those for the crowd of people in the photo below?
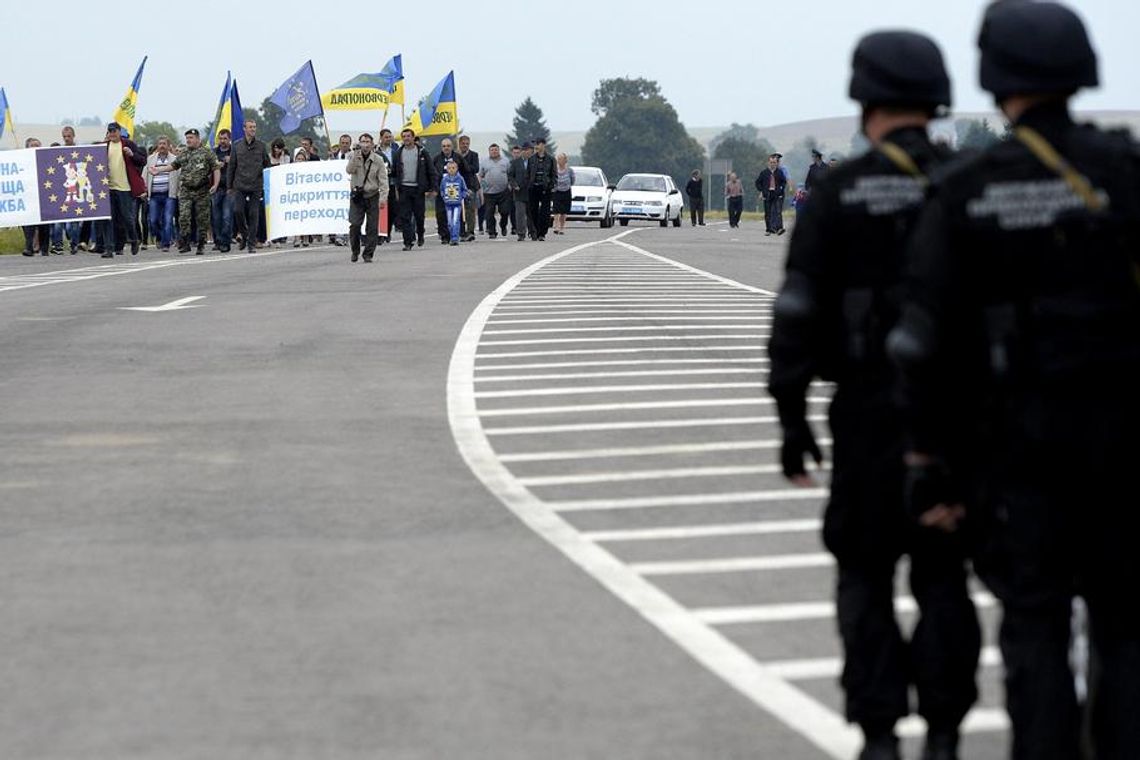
point(189, 194)
point(980, 319)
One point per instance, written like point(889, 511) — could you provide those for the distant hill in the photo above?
point(833, 134)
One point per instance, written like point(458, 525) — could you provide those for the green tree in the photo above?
point(748, 160)
point(147, 133)
point(529, 126)
point(642, 135)
point(611, 91)
point(975, 134)
point(745, 132)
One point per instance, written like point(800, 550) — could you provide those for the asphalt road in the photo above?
point(312, 514)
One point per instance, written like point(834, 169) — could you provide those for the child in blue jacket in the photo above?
point(453, 190)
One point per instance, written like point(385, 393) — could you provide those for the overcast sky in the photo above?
point(717, 62)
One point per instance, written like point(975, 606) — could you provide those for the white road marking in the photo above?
point(832, 667)
point(580, 408)
point(603, 375)
point(979, 720)
point(735, 564)
point(181, 303)
point(642, 318)
point(628, 476)
point(579, 390)
point(626, 328)
point(664, 449)
point(545, 341)
point(688, 500)
point(714, 530)
point(648, 349)
point(20, 282)
point(784, 613)
point(813, 721)
point(687, 268)
point(589, 427)
point(618, 363)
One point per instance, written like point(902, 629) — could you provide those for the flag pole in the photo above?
point(324, 119)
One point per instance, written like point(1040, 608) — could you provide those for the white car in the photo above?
point(590, 196)
point(653, 197)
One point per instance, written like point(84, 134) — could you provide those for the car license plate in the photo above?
point(577, 209)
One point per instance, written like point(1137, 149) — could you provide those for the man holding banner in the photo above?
point(368, 178)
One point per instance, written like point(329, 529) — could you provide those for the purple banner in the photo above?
point(73, 182)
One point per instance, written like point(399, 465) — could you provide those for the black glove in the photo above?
point(927, 486)
point(798, 441)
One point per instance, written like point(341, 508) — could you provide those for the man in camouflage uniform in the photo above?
point(197, 182)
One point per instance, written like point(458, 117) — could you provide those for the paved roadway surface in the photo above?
point(507, 500)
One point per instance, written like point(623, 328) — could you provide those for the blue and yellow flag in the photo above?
point(364, 92)
point(229, 113)
point(393, 73)
point(218, 111)
point(438, 113)
point(125, 114)
point(6, 124)
point(299, 98)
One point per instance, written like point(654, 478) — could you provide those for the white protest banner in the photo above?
point(64, 183)
point(19, 201)
point(307, 198)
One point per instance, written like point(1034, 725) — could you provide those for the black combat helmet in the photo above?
point(898, 68)
point(1031, 48)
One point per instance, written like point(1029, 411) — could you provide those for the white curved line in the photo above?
point(822, 727)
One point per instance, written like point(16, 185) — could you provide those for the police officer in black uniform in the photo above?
point(832, 317)
point(1021, 333)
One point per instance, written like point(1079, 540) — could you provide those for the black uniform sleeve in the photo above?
point(808, 302)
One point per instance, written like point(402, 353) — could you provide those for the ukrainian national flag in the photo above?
point(125, 115)
point(229, 113)
point(438, 113)
point(365, 92)
point(6, 119)
point(393, 72)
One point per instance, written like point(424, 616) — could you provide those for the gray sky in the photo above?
point(714, 67)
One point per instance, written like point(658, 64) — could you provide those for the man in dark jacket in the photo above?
point(248, 158)
point(471, 203)
point(414, 176)
point(772, 184)
point(518, 179)
point(695, 190)
point(439, 163)
point(541, 177)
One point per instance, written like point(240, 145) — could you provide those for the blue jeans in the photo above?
point(71, 229)
point(454, 220)
point(222, 218)
point(161, 218)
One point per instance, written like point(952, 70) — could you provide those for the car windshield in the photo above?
point(587, 178)
point(642, 182)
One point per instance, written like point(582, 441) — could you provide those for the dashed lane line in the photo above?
point(627, 476)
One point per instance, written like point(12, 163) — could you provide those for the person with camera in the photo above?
point(368, 175)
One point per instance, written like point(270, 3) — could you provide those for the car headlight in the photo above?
point(593, 198)
point(654, 203)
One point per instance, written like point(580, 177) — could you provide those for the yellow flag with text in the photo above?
point(438, 113)
point(125, 114)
